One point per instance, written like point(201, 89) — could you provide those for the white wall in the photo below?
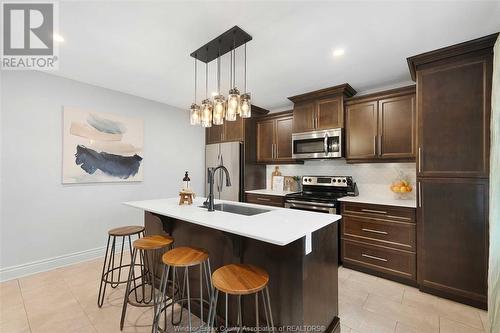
point(372, 178)
point(48, 224)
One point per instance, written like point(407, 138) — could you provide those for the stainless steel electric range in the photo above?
point(320, 193)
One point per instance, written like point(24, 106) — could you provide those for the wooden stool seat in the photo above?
point(240, 279)
point(185, 256)
point(153, 242)
point(126, 230)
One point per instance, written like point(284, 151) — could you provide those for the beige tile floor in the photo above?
point(64, 300)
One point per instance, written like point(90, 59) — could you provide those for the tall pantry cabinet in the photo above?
point(453, 146)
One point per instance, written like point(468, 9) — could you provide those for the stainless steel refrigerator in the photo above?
point(230, 155)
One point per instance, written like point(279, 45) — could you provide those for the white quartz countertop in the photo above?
point(279, 226)
point(381, 200)
point(270, 192)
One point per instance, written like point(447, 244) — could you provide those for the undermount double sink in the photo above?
point(237, 209)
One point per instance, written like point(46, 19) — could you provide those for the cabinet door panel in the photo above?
point(233, 130)
point(452, 238)
point(213, 134)
point(330, 113)
point(361, 130)
point(265, 140)
point(397, 127)
point(283, 140)
point(303, 117)
point(453, 115)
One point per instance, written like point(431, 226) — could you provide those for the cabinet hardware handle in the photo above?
point(375, 231)
point(380, 144)
point(373, 211)
point(373, 257)
point(419, 195)
point(399, 217)
point(272, 151)
point(276, 151)
point(263, 199)
point(374, 145)
point(419, 159)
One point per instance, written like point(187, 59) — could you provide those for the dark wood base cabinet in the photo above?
point(453, 239)
point(263, 199)
point(380, 240)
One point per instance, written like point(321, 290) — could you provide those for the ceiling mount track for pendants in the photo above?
point(228, 41)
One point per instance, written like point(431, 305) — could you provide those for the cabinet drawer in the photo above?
point(400, 214)
point(262, 199)
point(382, 259)
point(386, 233)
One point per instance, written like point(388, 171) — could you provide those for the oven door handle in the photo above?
point(306, 203)
point(319, 209)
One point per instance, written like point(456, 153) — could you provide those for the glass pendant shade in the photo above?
point(206, 113)
point(233, 104)
point(219, 110)
point(194, 114)
point(246, 106)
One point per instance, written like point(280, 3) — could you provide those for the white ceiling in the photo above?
point(142, 48)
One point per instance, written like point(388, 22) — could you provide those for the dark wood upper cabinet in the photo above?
point(329, 113)
point(321, 109)
point(397, 127)
point(454, 116)
point(303, 117)
point(214, 134)
point(274, 138)
point(283, 137)
point(265, 140)
point(381, 126)
point(232, 130)
point(361, 130)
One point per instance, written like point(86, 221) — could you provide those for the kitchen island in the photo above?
point(297, 248)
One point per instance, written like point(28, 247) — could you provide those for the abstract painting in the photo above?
point(101, 147)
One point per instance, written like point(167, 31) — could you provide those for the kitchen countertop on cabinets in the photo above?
point(381, 200)
point(279, 226)
point(270, 192)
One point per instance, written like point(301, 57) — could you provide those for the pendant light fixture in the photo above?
point(219, 100)
point(245, 102)
point(206, 104)
point(213, 112)
point(194, 110)
point(233, 99)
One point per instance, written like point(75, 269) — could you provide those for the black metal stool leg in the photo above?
point(269, 306)
point(120, 266)
point(265, 309)
point(257, 311)
point(127, 290)
point(100, 297)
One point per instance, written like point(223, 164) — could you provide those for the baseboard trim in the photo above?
point(18, 271)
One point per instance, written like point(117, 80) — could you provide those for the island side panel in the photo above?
point(320, 280)
point(284, 265)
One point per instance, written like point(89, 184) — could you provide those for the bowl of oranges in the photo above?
point(402, 189)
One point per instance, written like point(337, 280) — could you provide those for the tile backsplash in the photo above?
point(369, 176)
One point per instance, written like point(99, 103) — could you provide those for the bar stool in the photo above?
point(183, 257)
point(240, 280)
point(108, 274)
point(149, 249)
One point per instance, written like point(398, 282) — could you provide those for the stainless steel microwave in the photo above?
point(317, 144)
